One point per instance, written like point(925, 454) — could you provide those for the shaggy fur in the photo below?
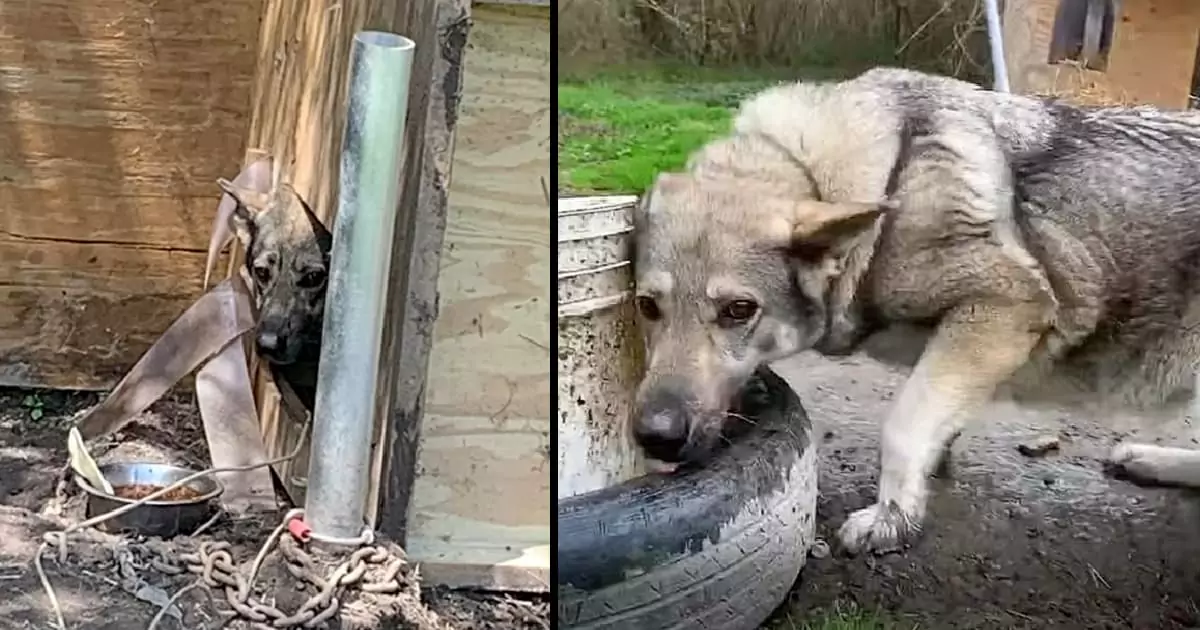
point(991, 241)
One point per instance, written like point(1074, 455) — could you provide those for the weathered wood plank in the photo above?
point(1150, 61)
point(440, 28)
point(79, 314)
point(116, 118)
point(480, 506)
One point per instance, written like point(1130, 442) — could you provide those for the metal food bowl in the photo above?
point(152, 518)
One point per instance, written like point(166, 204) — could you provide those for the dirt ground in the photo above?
point(1010, 541)
point(109, 582)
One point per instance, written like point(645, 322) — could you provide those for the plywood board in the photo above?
point(116, 118)
point(1150, 61)
point(1154, 50)
point(480, 512)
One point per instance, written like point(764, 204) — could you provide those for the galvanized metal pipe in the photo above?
point(355, 305)
point(996, 44)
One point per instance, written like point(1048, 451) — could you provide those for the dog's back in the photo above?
point(1047, 249)
point(1110, 205)
point(1105, 200)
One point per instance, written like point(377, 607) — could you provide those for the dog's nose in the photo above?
point(269, 343)
point(663, 435)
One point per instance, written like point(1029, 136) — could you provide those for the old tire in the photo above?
point(714, 548)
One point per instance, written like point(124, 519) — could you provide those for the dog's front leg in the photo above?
point(975, 348)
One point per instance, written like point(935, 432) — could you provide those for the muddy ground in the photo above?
point(109, 582)
point(1011, 541)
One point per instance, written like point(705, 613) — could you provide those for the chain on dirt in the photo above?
point(214, 564)
point(58, 540)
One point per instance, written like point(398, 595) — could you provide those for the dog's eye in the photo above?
point(738, 311)
point(648, 308)
point(262, 273)
point(312, 279)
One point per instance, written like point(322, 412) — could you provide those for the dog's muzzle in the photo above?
point(661, 426)
point(274, 347)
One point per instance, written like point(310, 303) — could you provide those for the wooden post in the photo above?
point(440, 28)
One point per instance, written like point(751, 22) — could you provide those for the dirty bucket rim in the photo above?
point(604, 203)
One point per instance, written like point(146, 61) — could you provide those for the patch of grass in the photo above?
point(619, 128)
point(613, 141)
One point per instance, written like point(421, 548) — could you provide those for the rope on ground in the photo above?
point(58, 539)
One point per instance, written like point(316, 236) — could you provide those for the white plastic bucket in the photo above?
point(600, 351)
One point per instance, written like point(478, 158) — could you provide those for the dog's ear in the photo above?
point(818, 227)
point(664, 183)
point(250, 203)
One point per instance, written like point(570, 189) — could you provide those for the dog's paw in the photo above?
point(1135, 462)
point(878, 529)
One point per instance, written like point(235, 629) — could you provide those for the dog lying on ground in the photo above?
point(287, 256)
point(992, 241)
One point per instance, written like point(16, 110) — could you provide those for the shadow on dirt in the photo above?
point(1011, 541)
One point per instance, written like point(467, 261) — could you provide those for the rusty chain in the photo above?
point(58, 539)
point(214, 565)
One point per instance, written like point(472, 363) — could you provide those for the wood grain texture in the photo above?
point(1150, 61)
point(413, 295)
point(298, 117)
point(482, 493)
point(116, 118)
point(1154, 50)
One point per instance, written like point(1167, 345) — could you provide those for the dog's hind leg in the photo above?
point(1173, 364)
point(1148, 463)
point(976, 347)
point(1163, 465)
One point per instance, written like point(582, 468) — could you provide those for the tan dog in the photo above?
point(1003, 240)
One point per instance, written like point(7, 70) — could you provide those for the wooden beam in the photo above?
point(440, 28)
point(1093, 31)
point(116, 118)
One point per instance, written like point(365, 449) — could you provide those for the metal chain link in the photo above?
point(213, 563)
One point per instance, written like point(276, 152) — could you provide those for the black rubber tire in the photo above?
point(715, 548)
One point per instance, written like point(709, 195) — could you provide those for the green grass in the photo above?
point(618, 131)
point(617, 142)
